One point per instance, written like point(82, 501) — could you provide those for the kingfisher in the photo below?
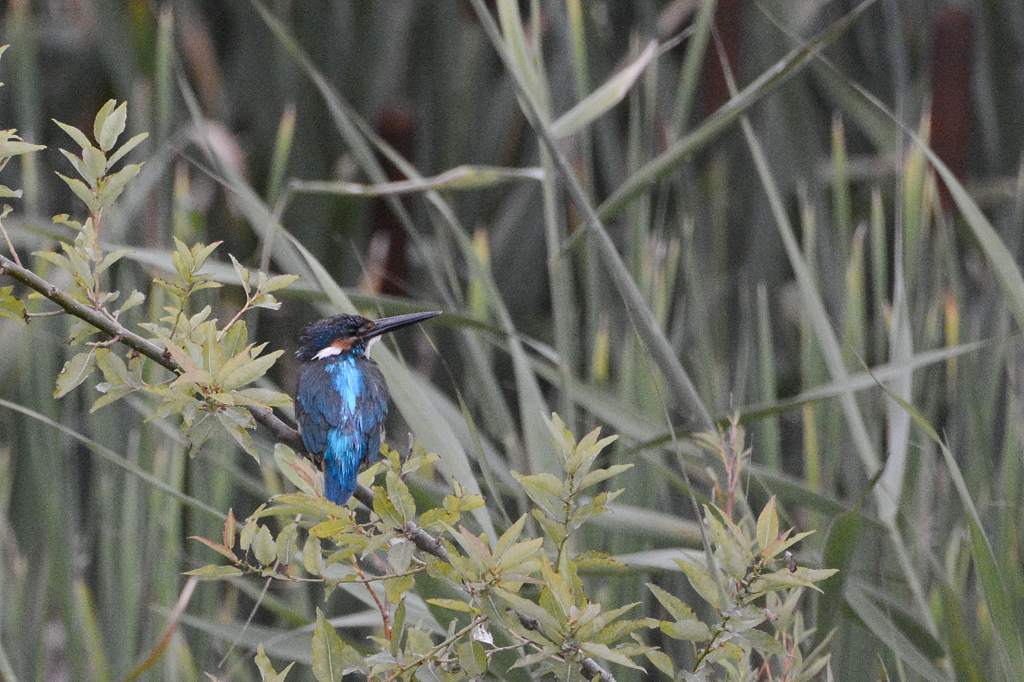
point(342, 399)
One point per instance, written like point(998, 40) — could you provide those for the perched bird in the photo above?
point(342, 399)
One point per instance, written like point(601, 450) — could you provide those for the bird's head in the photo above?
point(352, 334)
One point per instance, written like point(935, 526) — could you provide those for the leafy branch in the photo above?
point(280, 430)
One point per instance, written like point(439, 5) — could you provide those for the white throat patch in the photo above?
point(369, 345)
point(327, 352)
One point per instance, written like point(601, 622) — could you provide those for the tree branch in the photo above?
point(280, 429)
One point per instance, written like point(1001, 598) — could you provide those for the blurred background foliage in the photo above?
point(782, 258)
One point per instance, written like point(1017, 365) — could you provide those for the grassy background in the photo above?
point(780, 242)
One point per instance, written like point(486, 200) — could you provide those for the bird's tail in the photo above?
point(341, 467)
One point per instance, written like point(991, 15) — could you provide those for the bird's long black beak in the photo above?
point(390, 324)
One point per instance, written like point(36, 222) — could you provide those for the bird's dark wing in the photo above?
point(318, 408)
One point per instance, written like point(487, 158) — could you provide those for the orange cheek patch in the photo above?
point(342, 344)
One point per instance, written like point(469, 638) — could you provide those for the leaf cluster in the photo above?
point(753, 585)
point(490, 596)
point(11, 145)
point(213, 389)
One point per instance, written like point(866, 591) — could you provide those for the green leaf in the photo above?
point(673, 604)
point(264, 547)
point(111, 394)
point(261, 397)
point(237, 423)
point(296, 469)
point(251, 371)
point(400, 497)
point(81, 191)
point(509, 536)
point(731, 545)
point(767, 524)
point(11, 306)
point(287, 544)
point(528, 608)
point(385, 508)
point(332, 657)
point(473, 658)
point(215, 572)
point(215, 546)
point(267, 672)
point(545, 489)
point(452, 605)
point(14, 147)
point(113, 367)
point(557, 586)
point(518, 555)
point(54, 258)
point(661, 661)
point(782, 542)
point(278, 282)
point(602, 651)
point(131, 144)
point(111, 188)
point(701, 580)
point(398, 627)
point(101, 117)
point(94, 162)
point(111, 128)
point(312, 556)
point(134, 299)
point(599, 475)
point(688, 630)
point(77, 135)
point(75, 371)
point(396, 588)
point(242, 272)
point(785, 578)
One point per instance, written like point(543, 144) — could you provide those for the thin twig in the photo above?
point(238, 316)
point(430, 654)
point(384, 617)
point(165, 637)
point(10, 244)
point(248, 620)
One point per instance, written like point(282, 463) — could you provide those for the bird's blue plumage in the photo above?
point(341, 405)
point(342, 399)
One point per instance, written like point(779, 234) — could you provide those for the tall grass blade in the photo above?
point(114, 458)
point(716, 124)
point(1002, 261)
point(605, 98)
point(460, 178)
point(832, 353)
point(889, 633)
point(1006, 624)
point(642, 317)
